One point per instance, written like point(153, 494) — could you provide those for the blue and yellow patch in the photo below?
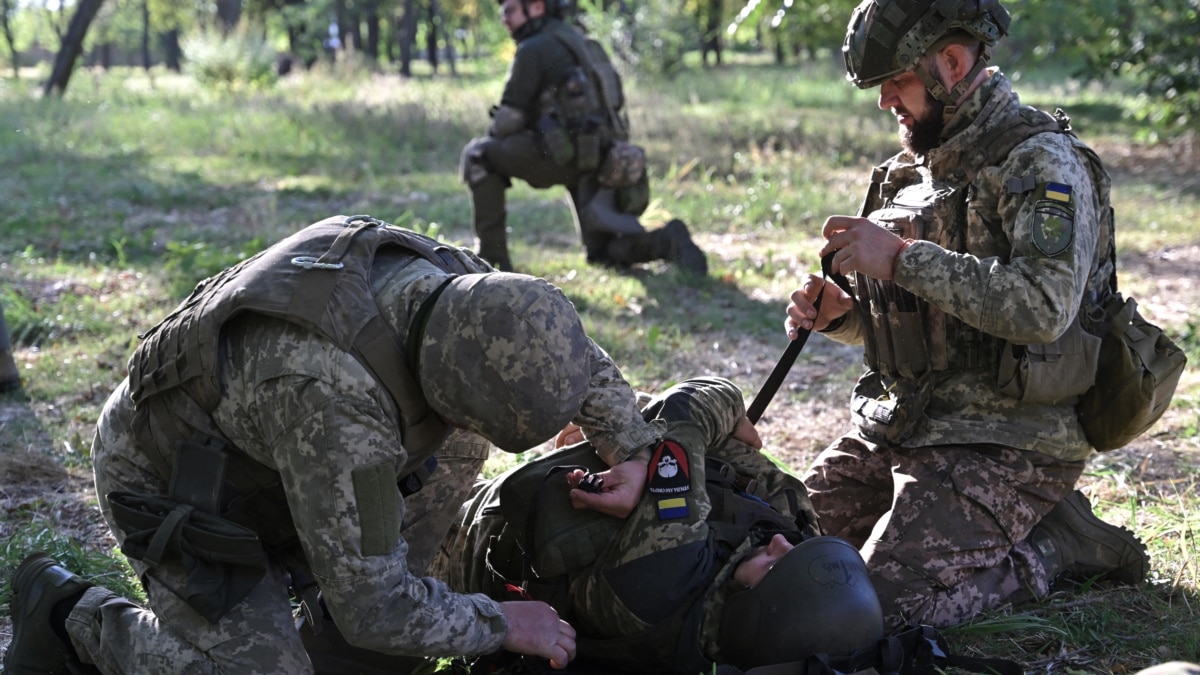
point(1058, 192)
point(675, 507)
point(1053, 228)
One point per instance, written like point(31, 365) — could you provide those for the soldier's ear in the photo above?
point(955, 61)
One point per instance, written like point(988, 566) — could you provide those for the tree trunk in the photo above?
point(146, 35)
point(431, 35)
point(408, 36)
point(5, 8)
point(371, 45)
point(72, 47)
point(172, 53)
point(229, 12)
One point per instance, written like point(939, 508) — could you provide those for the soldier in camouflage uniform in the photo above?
point(976, 246)
point(670, 588)
point(273, 440)
point(561, 122)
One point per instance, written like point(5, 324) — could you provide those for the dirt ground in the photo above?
point(795, 428)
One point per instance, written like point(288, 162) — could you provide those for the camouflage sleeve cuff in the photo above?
point(494, 626)
point(615, 447)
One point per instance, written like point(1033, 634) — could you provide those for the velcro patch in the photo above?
point(1054, 219)
point(669, 480)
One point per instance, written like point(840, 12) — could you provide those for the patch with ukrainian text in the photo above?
point(669, 480)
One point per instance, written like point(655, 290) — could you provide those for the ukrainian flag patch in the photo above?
point(1058, 192)
point(675, 507)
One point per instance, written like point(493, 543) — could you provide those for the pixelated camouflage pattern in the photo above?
point(506, 356)
point(937, 525)
point(1005, 287)
point(705, 411)
point(294, 402)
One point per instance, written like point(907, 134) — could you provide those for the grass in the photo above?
point(125, 193)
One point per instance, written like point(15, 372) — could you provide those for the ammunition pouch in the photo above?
point(1050, 373)
point(223, 561)
point(555, 141)
point(889, 414)
point(588, 142)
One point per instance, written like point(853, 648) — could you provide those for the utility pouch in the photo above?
point(1137, 373)
point(889, 414)
point(223, 561)
point(587, 147)
point(624, 165)
point(557, 538)
point(1053, 372)
point(633, 199)
point(556, 142)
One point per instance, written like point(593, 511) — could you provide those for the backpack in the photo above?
point(1138, 366)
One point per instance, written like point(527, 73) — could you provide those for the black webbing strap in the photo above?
point(775, 379)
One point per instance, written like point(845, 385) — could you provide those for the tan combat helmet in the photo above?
point(888, 37)
point(506, 356)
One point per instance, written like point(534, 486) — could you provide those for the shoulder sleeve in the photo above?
point(337, 451)
point(610, 418)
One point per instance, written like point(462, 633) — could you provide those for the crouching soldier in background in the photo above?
point(276, 438)
point(561, 121)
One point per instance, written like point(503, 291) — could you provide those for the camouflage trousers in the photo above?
point(942, 529)
point(261, 633)
point(489, 164)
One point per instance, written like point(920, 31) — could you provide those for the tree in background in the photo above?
point(6, 11)
point(72, 46)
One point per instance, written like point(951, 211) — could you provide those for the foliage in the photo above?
point(231, 61)
point(652, 36)
point(108, 568)
point(123, 193)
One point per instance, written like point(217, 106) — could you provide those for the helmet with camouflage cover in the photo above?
point(888, 37)
point(506, 356)
point(816, 599)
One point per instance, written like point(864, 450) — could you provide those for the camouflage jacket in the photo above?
point(1005, 282)
point(297, 404)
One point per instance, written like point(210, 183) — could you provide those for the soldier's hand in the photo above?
point(534, 628)
point(861, 246)
point(802, 314)
point(621, 487)
point(570, 435)
point(747, 434)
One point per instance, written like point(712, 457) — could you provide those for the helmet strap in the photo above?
point(951, 98)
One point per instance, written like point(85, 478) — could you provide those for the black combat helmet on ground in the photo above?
point(817, 599)
point(886, 38)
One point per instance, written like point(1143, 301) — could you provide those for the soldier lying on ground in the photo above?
point(720, 561)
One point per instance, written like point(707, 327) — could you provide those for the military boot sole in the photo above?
point(1101, 548)
point(38, 584)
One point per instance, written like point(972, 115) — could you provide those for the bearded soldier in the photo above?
point(561, 121)
point(968, 264)
point(305, 425)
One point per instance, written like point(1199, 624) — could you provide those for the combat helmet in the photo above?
point(816, 599)
point(888, 37)
point(506, 356)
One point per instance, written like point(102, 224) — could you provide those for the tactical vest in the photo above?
point(545, 542)
point(906, 337)
point(593, 88)
point(318, 278)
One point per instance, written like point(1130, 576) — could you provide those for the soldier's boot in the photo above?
point(683, 251)
point(671, 242)
point(1073, 542)
point(43, 594)
point(10, 377)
